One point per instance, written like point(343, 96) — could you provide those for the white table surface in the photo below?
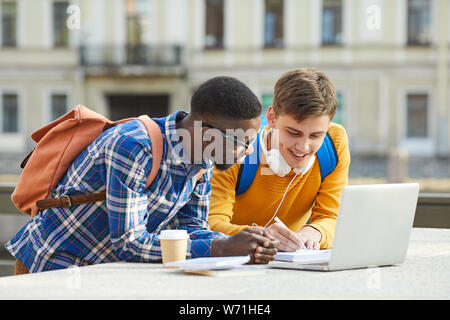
point(424, 275)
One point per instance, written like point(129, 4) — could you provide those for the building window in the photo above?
point(332, 22)
point(214, 24)
point(339, 116)
point(417, 116)
point(273, 24)
point(123, 106)
point(58, 105)
point(60, 30)
point(10, 110)
point(419, 22)
point(137, 24)
point(137, 21)
point(8, 10)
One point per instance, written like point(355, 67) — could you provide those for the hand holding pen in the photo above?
point(289, 240)
point(302, 245)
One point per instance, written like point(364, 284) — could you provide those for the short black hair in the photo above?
point(225, 97)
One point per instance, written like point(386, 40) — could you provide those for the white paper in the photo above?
point(210, 263)
point(304, 256)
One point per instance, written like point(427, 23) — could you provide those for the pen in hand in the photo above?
point(281, 222)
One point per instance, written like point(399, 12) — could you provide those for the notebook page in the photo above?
point(210, 263)
point(304, 256)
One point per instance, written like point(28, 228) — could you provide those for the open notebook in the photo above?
point(217, 266)
point(304, 256)
point(210, 263)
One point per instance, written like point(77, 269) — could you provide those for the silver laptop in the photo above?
point(373, 228)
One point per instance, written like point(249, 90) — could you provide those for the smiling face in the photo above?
point(297, 141)
point(303, 104)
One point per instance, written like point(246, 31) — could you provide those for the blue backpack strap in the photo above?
point(263, 122)
point(327, 156)
point(248, 169)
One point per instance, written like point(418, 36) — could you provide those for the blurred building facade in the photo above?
point(387, 58)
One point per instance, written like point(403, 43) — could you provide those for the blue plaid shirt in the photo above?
point(125, 226)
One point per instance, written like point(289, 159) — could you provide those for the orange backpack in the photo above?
point(58, 144)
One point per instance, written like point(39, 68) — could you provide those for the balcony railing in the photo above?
point(141, 55)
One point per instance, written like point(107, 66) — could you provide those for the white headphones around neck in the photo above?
point(276, 161)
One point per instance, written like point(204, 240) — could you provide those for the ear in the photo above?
point(271, 117)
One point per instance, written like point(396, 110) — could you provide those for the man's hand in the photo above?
point(250, 241)
point(311, 237)
point(289, 240)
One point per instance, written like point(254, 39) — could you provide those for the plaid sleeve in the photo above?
point(126, 162)
point(193, 217)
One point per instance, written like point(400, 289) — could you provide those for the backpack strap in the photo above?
point(247, 170)
point(157, 149)
point(326, 155)
point(157, 146)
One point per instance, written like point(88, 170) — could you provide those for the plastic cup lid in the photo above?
point(173, 235)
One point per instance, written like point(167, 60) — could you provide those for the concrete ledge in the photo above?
point(433, 211)
point(6, 205)
point(424, 275)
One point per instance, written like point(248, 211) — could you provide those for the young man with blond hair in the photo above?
point(288, 184)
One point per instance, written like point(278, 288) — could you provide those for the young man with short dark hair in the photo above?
point(127, 225)
point(288, 183)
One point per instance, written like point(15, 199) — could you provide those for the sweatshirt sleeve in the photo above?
point(223, 193)
point(325, 211)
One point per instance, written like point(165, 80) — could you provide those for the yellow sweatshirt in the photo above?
point(308, 197)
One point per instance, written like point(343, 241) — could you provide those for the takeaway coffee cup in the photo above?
point(173, 245)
